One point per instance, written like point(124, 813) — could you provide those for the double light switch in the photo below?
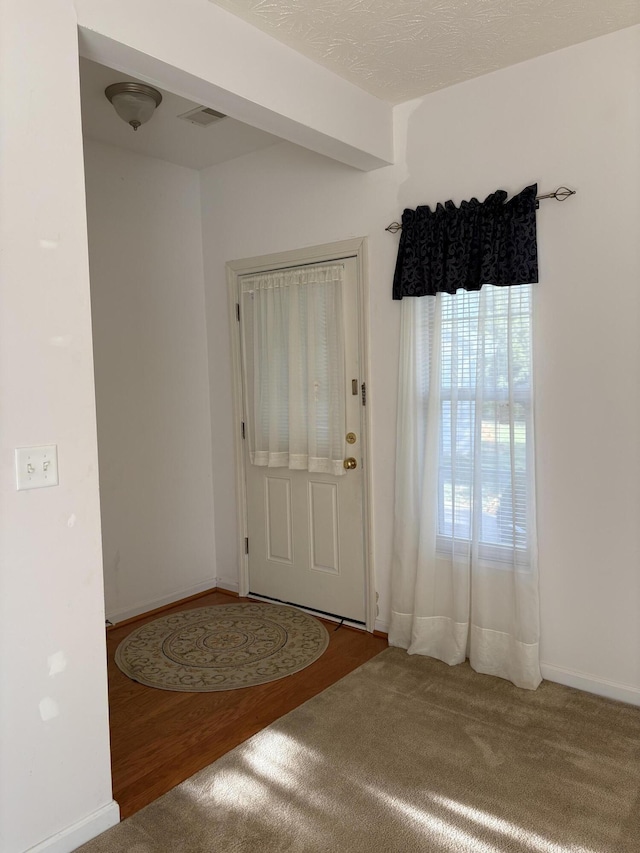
point(36, 467)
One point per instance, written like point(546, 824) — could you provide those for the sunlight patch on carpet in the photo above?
point(401, 755)
point(449, 837)
point(535, 842)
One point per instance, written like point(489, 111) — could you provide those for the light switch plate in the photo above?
point(36, 467)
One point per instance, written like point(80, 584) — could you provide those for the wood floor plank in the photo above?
point(159, 738)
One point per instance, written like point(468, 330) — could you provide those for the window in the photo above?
point(475, 367)
point(465, 579)
point(293, 360)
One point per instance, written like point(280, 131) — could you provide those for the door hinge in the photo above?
point(238, 311)
point(243, 429)
point(246, 545)
point(363, 388)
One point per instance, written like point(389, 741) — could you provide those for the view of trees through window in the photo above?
point(485, 415)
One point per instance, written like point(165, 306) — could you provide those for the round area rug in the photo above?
point(222, 648)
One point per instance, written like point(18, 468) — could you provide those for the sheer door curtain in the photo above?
point(293, 362)
point(464, 566)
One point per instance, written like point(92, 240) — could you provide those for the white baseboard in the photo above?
point(381, 626)
point(145, 606)
point(229, 586)
point(591, 684)
point(80, 832)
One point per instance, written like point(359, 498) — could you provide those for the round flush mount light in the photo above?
point(134, 102)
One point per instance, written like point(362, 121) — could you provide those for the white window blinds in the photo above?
point(485, 417)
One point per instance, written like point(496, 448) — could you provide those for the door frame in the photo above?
point(326, 253)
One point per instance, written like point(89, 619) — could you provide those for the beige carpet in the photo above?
point(225, 647)
point(408, 754)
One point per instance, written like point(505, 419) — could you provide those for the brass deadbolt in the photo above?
point(351, 438)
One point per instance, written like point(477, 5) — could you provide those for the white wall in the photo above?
point(151, 373)
point(54, 736)
point(569, 117)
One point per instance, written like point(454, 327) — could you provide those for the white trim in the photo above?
point(81, 831)
point(370, 593)
point(238, 417)
point(356, 247)
point(591, 684)
point(381, 626)
point(229, 586)
point(146, 606)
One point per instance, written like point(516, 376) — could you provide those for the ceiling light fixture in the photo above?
point(134, 102)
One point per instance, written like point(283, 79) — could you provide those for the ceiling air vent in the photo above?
point(202, 116)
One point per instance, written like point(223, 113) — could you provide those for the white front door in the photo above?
point(306, 530)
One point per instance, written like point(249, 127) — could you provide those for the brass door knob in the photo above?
point(350, 463)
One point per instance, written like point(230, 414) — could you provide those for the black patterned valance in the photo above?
point(489, 242)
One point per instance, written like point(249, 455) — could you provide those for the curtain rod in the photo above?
point(561, 194)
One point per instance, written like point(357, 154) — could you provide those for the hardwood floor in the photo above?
point(160, 738)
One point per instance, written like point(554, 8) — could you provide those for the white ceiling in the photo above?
point(165, 136)
point(401, 49)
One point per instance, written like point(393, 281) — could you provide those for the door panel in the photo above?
point(323, 526)
point(277, 511)
point(306, 531)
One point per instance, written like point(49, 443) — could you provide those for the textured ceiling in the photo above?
point(401, 49)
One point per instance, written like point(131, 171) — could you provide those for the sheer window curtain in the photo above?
point(464, 565)
point(293, 341)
